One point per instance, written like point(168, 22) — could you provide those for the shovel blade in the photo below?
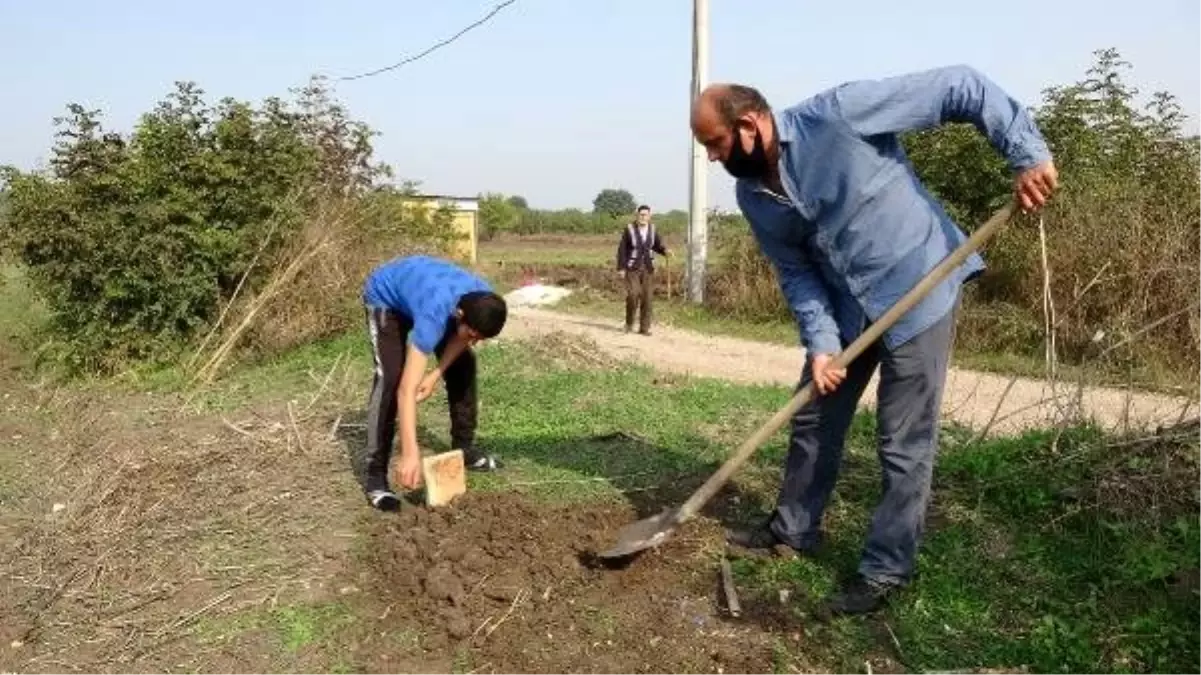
point(641, 535)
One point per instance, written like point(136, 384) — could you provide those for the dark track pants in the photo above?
point(389, 337)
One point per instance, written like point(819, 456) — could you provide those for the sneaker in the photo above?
point(384, 500)
point(483, 463)
point(860, 596)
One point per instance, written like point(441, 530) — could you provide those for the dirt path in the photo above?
point(998, 404)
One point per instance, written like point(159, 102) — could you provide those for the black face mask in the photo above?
point(741, 164)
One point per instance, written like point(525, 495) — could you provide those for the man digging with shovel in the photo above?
point(440, 309)
point(838, 210)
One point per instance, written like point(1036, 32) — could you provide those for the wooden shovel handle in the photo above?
point(935, 276)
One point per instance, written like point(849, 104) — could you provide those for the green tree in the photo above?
point(519, 202)
point(497, 215)
point(135, 242)
point(959, 167)
point(4, 217)
point(614, 203)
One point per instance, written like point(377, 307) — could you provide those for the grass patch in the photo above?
point(1024, 566)
point(300, 626)
point(299, 371)
point(24, 315)
point(572, 434)
point(550, 249)
point(1031, 558)
point(1063, 554)
point(292, 628)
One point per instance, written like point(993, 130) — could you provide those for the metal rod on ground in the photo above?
point(698, 199)
point(727, 583)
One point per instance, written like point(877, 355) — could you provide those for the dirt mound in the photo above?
point(508, 585)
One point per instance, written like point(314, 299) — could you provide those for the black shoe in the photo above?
point(860, 596)
point(646, 332)
point(760, 540)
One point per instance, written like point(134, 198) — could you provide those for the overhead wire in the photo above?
point(371, 73)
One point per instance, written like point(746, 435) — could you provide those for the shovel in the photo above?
point(655, 530)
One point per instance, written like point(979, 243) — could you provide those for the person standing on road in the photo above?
point(419, 306)
point(636, 264)
point(837, 208)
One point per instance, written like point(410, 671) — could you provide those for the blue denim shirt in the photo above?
point(856, 230)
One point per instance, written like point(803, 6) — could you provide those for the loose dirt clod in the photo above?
point(443, 584)
point(506, 583)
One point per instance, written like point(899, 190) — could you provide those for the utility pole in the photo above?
point(698, 226)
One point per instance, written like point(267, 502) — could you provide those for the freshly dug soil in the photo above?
point(499, 583)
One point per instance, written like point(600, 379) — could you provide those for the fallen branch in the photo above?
point(237, 429)
point(1145, 329)
point(1161, 436)
point(895, 642)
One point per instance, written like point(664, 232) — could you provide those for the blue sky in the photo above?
point(552, 99)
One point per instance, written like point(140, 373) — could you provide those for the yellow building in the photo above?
point(465, 213)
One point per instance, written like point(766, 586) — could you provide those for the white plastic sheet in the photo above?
point(536, 295)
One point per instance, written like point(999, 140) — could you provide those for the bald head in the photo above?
point(734, 123)
point(724, 103)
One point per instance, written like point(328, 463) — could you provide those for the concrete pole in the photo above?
point(698, 226)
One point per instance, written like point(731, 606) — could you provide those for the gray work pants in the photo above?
point(908, 402)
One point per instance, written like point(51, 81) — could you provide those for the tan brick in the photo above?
point(445, 477)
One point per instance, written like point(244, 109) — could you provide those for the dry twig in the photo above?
point(295, 427)
point(521, 597)
point(209, 370)
point(182, 621)
point(325, 382)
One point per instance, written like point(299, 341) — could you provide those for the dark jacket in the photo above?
point(630, 242)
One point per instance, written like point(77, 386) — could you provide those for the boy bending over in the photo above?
point(438, 308)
